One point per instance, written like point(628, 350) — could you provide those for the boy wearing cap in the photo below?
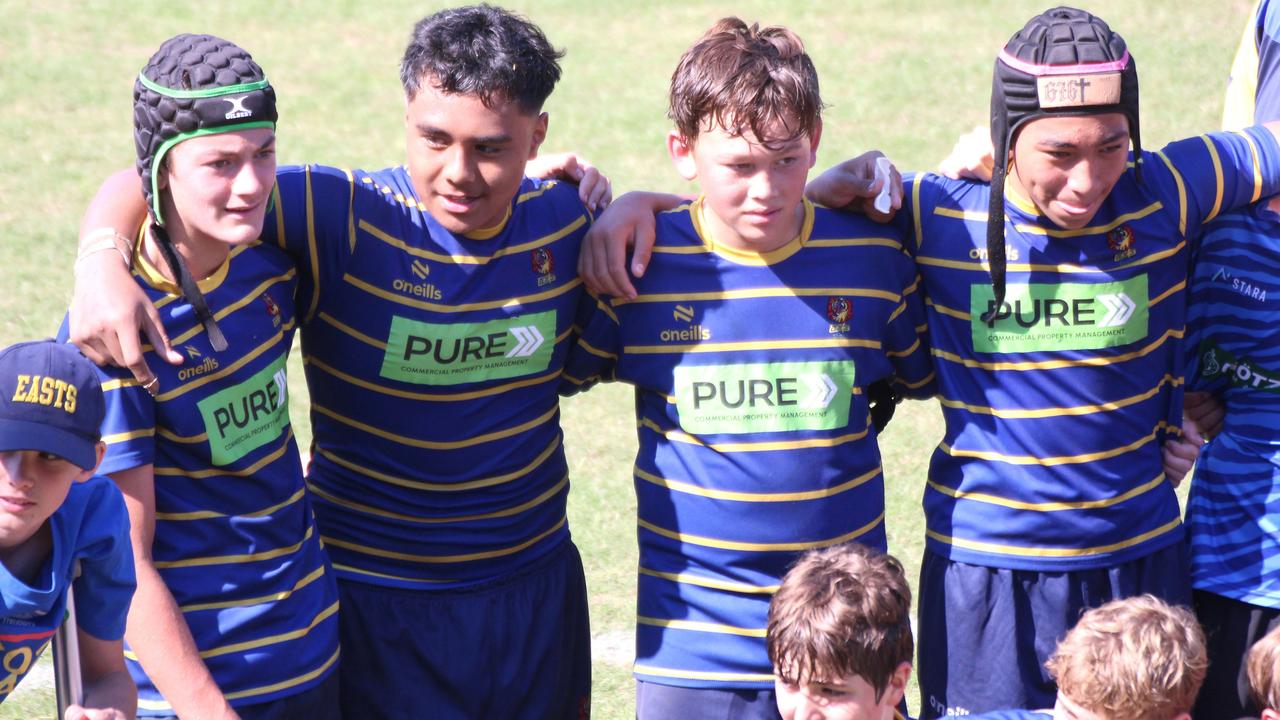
point(235, 613)
point(1059, 366)
point(60, 526)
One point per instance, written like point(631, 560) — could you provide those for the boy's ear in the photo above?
point(100, 450)
point(539, 134)
point(681, 152)
point(897, 688)
point(814, 137)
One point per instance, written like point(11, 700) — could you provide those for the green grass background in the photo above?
point(903, 76)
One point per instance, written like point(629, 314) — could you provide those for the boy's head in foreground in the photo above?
point(748, 118)
point(1132, 659)
point(839, 635)
point(1264, 674)
point(1064, 107)
point(51, 411)
point(475, 79)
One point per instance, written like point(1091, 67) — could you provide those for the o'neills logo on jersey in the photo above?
point(422, 290)
point(763, 397)
point(543, 263)
point(248, 415)
point(980, 253)
point(1121, 241)
point(1065, 316)
point(459, 353)
point(839, 310)
point(208, 365)
point(694, 332)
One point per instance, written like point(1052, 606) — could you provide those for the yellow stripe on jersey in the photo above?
point(904, 353)
point(761, 446)
point(210, 514)
point(1055, 364)
point(700, 626)
point(435, 397)
point(246, 602)
point(418, 519)
point(249, 297)
point(109, 385)
point(968, 215)
point(473, 259)
point(276, 202)
point(436, 444)
point(313, 254)
point(1064, 268)
point(759, 497)
point(385, 576)
point(1145, 487)
point(1049, 412)
point(1182, 192)
point(854, 242)
point(144, 704)
point(236, 558)
point(688, 579)
point(1095, 229)
point(370, 473)
point(271, 639)
point(126, 436)
point(464, 307)
point(1177, 287)
point(915, 211)
point(221, 472)
point(797, 344)
point(759, 547)
point(1217, 177)
point(582, 343)
point(699, 675)
point(761, 292)
point(352, 332)
point(184, 439)
point(1052, 461)
point(468, 557)
point(1054, 552)
point(228, 369)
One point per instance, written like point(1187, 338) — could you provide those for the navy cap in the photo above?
point(50, 401)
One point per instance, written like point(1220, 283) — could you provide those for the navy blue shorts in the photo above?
point(667, 702)
point(985, 633)
point(1231, 628)
point(517, 647)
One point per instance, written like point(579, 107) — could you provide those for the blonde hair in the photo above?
point(1137, 658)
point(844, 610)
point(1264, 659)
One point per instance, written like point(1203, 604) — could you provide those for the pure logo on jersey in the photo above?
point(246, 416)
point(238, 110)
point(1240, 285)
point(46, 391)
point(544, 264)
point(272, 308)
point(839, 310)
point(1216, 362)
point(1121, 242)
point(763, 397)
point(1065, 316)
point(454, 354)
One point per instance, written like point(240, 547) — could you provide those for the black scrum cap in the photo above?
point(194, 85)
point(1063, 62)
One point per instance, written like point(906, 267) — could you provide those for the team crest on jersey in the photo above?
point(838, 312)
point(1121, 242)
point(543, 263)
point(272, 308)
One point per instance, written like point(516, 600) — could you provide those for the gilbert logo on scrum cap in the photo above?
point(238, 110)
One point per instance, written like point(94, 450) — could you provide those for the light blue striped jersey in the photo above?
point(754, 437)
point(1056, 410)
point(433, 362)
point(1253, 89)
point(235, 538)
point(1234, 331)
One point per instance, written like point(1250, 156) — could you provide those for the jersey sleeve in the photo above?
point(313, 221)
point(106, 582)
point(129, 427)
point(907, 339)
point(593, 358)
point(1202, 177)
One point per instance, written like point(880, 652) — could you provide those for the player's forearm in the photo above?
point(158, 634)
point(113, 691)
point(118, 204)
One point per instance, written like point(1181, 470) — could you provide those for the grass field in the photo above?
point(904, 76)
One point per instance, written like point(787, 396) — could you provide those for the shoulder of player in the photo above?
point(552, 198)
point(932, 191)
point(92, 509)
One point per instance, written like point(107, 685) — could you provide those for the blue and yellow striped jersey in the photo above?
point(1253, 89)
point(433, 362)
point(1056, 410)
point(1234, 337)
point(235, 539)
point(754, 437)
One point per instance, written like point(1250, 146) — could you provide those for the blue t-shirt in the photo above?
point(755, 443)
point(1234, 339)
point(1253, 91)
point(433, 362)
point(1056, 411)
point(90, 536)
